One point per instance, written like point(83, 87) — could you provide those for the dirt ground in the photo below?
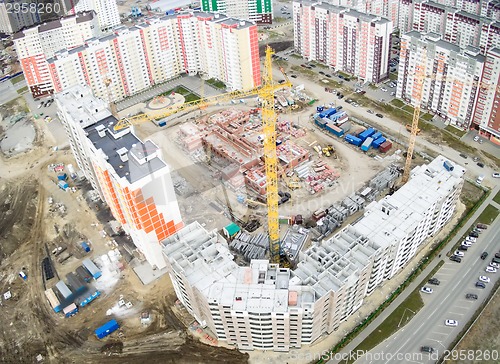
point(480, 338)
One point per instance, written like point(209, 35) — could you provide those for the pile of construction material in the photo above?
point(317, 175)
point(293, 241)
point(250, 246)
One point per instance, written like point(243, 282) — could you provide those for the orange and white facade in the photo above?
point(452, 90)
point(343, 39)
point(129, 174)
point(135, 58)
point(386, 8)
point(37, 44)
point(487, 115)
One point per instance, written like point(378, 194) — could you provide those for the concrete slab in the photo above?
point(145, 272)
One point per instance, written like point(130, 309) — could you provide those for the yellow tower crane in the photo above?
point(266, 96)
point(417, 94)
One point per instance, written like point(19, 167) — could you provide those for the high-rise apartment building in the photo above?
point(265, 307)
point(461, 23)
point(35, 45)
point(487, 115)
point(106, 10)
point(258, 11)
point(134, 58)
point(129, 174)
point(452, 87)
point(386, 8)
point(11, 20)
point(343, 39)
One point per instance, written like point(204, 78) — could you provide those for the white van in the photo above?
point(479, 179)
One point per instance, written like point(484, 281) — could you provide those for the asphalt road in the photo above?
point(446, 302)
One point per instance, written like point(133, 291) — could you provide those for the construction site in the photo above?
point(274, 175)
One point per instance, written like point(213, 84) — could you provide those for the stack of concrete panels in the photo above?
point(250, 246)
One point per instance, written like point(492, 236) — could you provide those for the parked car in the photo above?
point(471, 239)
point(482, 226)
point(484, 255)
point(494, 265)
point(476, 138)
point(363, 92)
point(463, 248)
point(426, 289)
point(480, 165)
point(484, 279)
point(379, 115)
point(393, 93)
point(471, 296)
point(489, 269)
point(340, 107)
point(427, 349)
point(464, 156)
point(496, 175)
point(453, 323)
point(454, 258)
point(434, 281)
point(459, 254)
point(480, 285)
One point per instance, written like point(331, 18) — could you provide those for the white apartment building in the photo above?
point(487, 115)
point(158, 49)
point(11, 20)
point(258, 11)
point(450, 88)
point(386, 8)
point(461, 23)
point(35, 45)
point(106, 10)
point(343, 39)
point(129, 174)
point(265, 307)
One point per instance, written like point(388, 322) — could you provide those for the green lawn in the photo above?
point(459, 133)
point(426, 117)
point(22, 90)
point(409, 108)
point(17, 79)
point(191, 97)
point(397, 103)
point(344, 74)
point(303, 70)
point(398, 318)
point(497, 198)
point(393, 76)
point(216, 83)
point(489, 214)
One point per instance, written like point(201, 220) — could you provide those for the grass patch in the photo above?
point(459, 133)
point(303, 70)
point(393, 76)
point(409, 108)
point(216, 83)
point(22, 90)
point(398, 318)
point(427, 117)
point(189, 96)
point(397, 103)
point(489, 215)
point(494, 159)
point(397, 114)
point(17, 79)
point(497, 198)
point(454, 143)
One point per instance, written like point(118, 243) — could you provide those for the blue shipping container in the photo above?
point(367, 133)
point(85, 246)
point(330, 112)
point(320, 123)
point(90, 298)
point(162, 123)
point(376, 135)
point(91, 267)
point(378, 142)
point(107, 329)
point(62, 177)
point(353, 140)
point(367, 144)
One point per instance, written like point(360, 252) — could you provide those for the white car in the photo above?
point(460, 254)
point(471, 239)
point(490, 269)
point(484, 279)
point(426, 289)
point(466, 243)
point(452, 323)
point(494, 265)
point(496, 175)
point(476, 138)
point(383, 89)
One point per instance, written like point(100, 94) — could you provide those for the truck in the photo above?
point(107, 329)
point(367, 144)
point(62, 176)
point(85, 246)
point(63, 185)
point(70, 310)
point(23, 275)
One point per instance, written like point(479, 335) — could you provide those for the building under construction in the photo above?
point(233, 140)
